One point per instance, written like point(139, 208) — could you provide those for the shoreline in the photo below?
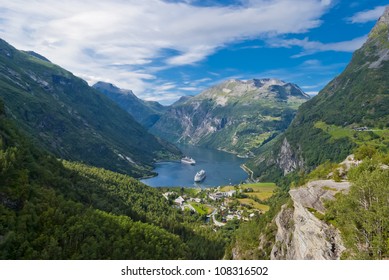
point(248, 171)
point(235, 154)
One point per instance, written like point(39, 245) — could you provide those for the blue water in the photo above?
point(221, 169)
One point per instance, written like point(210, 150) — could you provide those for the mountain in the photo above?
point(350, 111)
point(182, 100)
point(146, 113)
point(235, 115)
point(61, 113)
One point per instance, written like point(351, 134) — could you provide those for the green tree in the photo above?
point(363, 214)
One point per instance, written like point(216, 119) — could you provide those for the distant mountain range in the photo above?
point(64, 115)
point(235, 116)
point(146, 113)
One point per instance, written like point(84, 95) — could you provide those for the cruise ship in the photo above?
point(188, 160)
point(200, 176)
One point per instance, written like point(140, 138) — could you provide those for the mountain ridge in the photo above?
point(146, 113)
point(234, 115)
point(72, 120)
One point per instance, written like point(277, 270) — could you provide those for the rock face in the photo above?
point(287, 160)
point(236, 116)
point(303, 236)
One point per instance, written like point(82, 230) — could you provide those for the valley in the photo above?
point(234, 116)
point(92, 171)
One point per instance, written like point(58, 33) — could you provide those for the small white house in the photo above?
point(231, 193)
point(179, 201)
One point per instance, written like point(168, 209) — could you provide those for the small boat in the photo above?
point(188, 160)
point(200, 176)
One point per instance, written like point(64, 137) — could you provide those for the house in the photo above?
point(216, 196)
point(231, 193)
point(363, 128)
point(167, 194)
point(179, 201)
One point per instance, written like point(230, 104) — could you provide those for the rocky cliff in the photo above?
point(301, 235)
point(301, 232)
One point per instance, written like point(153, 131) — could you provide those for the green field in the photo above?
point(227, 188)
point(374, 137)
point(202, 209)
point(254, 204)
point(263, 191)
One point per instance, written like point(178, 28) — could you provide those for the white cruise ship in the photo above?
point(200, 176)
point(188, 160)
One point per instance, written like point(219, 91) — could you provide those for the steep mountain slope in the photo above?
point(146, 113)
point(234, 116)
point(323, 127)
point(69, 118)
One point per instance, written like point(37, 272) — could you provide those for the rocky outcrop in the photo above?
point(301, 235)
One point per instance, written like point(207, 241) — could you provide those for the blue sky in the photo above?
point(165, 49)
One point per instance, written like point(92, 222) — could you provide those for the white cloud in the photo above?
point(366, 16)
point(95, 38)
point(311, 47)
point(164, 87)
point(188, 88)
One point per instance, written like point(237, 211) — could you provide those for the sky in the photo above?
point(163, 50)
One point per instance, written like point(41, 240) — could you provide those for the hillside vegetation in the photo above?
point(54, 210)
point(65, 116)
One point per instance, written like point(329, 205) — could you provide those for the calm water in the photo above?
point(221, 168)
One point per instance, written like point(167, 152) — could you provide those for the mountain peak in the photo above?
point(103, 86)
point(376, 48)
point(381, 27)
point(385, 16)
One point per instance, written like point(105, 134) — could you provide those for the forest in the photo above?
point(52, 209)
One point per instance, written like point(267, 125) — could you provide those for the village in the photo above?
point(222, 204)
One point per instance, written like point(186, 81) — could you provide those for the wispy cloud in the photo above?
point(366, 16)
point(311, 47)
point(188, 88)
point(115, 40)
